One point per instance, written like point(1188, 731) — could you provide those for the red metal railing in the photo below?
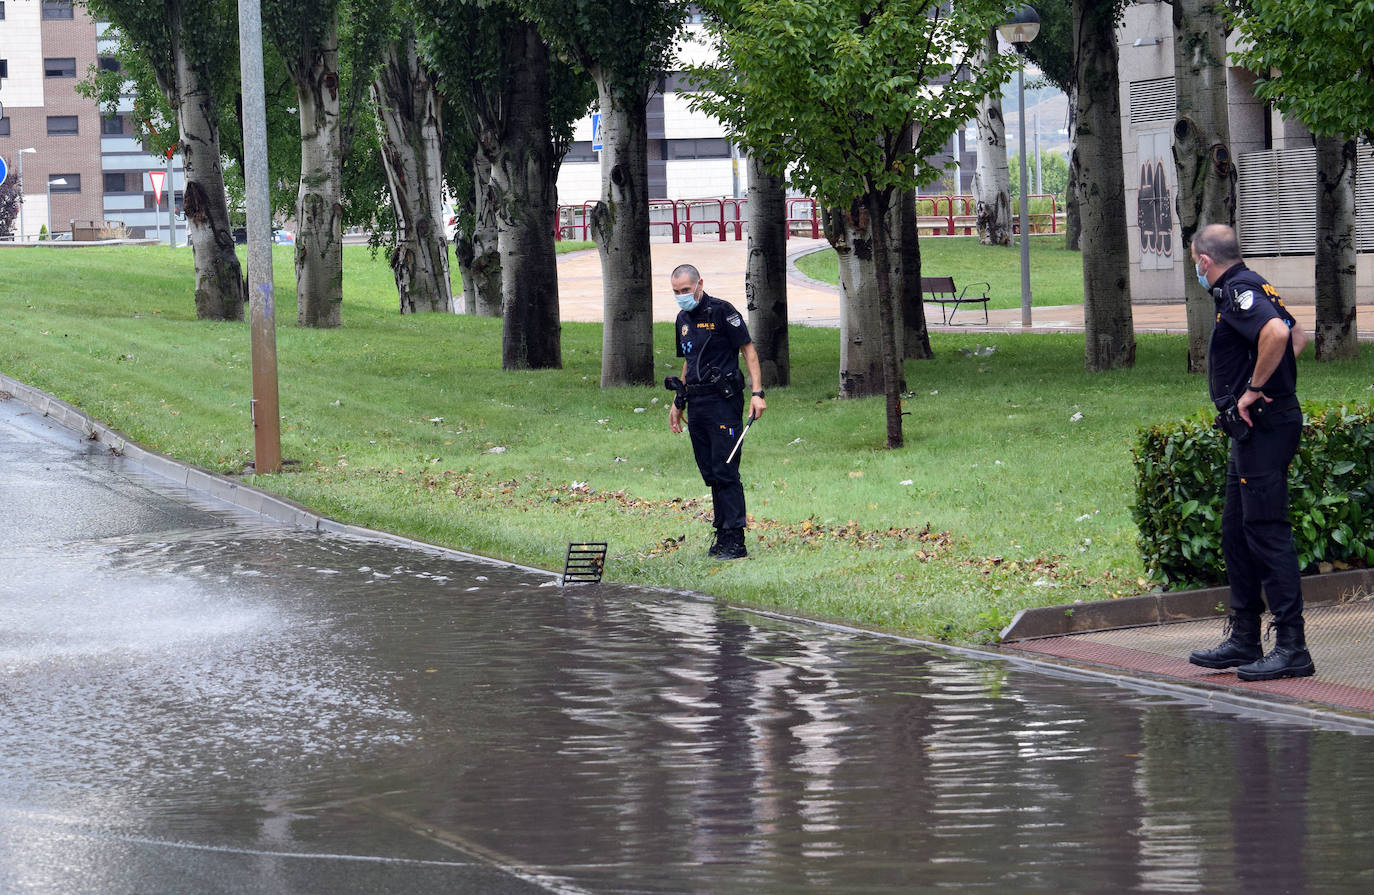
point(719, 219)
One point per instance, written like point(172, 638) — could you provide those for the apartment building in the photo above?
point(78, 165)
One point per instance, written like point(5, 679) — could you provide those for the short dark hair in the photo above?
point(1218, 242)
point(686, 270)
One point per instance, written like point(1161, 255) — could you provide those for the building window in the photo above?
point(2, 9)
point(62, 125)
point(112, 126)
point(109, 63)
point(5, 126)
point(57, 9)
point(59, 68)
point(72, 185)
point(4, 68)
point(714, 147)
point(580, 151)
point(119, 183)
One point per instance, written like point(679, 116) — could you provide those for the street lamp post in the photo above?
point(52, 182)
point(21, 190)
point(1018, 32)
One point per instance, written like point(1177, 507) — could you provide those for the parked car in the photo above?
point(283, 237)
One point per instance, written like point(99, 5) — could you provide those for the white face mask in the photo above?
point(688, 301)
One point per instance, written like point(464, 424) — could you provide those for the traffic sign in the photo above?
point(596, 132)
point(157, 177)
point(4, 170)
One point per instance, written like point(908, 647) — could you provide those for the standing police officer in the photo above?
point(711, 335)
point(1253, 375)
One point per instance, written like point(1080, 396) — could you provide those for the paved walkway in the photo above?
point(818, 304)
point(1340, 637)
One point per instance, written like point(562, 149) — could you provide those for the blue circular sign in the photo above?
point(4, 170)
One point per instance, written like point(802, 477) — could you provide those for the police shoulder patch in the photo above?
point(734, 320)
point(1244, 301)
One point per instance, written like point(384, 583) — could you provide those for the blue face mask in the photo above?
point(1201, 278)
point(687, 301)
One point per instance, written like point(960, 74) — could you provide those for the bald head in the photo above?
point(1218, 242)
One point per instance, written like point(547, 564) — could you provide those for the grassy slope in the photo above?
point(394, 421)
point(1056, 273)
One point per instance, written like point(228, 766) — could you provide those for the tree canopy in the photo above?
point(825, 90)
point(1315, 61)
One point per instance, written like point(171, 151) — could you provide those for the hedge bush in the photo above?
point(1181, 483)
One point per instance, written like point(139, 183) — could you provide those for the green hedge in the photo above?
point(1181, 482)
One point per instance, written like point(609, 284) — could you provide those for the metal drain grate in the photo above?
point(585, 562)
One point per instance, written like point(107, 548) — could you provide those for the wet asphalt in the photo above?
point(193, 699)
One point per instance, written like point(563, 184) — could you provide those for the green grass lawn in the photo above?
point(1056, 273)
point(1000, 500)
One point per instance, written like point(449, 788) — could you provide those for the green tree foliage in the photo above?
point(829, 93)
point(11, 197)
point(1054, 175)
point(1319, 61)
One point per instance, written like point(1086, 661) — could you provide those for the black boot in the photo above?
point(1288, 658)
point(1241, 646)
point(717, 541)
point(731, 544)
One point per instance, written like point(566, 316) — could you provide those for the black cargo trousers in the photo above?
point(714, 423)
point(1256, 535)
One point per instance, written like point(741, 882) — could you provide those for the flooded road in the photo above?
point(194, 701)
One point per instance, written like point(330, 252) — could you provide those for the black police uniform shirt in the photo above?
point(709, 337)
point(1244, 304)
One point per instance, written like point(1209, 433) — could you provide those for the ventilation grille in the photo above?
point(1277, 201)
point(1153, 100)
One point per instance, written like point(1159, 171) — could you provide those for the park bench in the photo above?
point(943, 291)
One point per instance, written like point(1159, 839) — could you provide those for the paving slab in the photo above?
point(1340, 637)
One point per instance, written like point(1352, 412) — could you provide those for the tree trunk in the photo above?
point(915, 338)
point(486, 251)
point(319, 202)
point(1335, 259)
point(408, 109)
point(765, 274)
point(1108, 326)
point(861, 364)
point(1073, 219)
point(877, 204)
point(1202, 155)
point(620, 226)
point(524, 171)
point(220, 286)
point(992, 177)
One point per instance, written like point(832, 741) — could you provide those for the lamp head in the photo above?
point(1021, 28)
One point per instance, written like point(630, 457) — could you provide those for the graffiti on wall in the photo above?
point(1155, 202)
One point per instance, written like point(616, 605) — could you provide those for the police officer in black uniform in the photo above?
point(1253, 375)
point(711, 335)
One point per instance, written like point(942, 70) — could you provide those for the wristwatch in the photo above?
point(757, 394)
point(1251, 387)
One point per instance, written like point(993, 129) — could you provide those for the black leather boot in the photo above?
point(1241, 646)
point(731, 544)
point(717, 540)
point(1288, 658)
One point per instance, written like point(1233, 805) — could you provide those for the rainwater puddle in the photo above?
point(286, 693)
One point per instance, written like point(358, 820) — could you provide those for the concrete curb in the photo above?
point(1171, 606)
point(239, 494)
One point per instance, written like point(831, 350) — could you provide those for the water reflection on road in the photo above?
point(257, 691)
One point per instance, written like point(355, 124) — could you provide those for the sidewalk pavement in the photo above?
point(813, 303)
